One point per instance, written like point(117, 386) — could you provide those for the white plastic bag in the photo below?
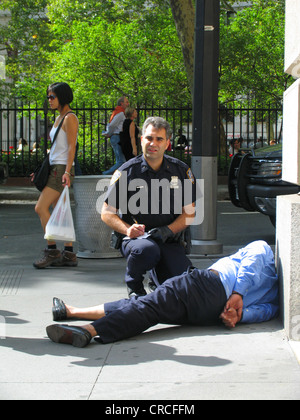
point(60, 226)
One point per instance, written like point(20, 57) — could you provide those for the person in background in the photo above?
point(235, 146)
point(62, 156)
point(114, 128)
point(23, 146)
point(130, 134)
point(35, 147)
point(182, 141)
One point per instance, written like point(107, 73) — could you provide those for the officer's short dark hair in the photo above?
point(63, 92)
point(158, 123)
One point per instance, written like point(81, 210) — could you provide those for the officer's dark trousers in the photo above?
point(197, 297)
point(169, 260)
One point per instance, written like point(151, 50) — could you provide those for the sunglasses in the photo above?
point(52, 97)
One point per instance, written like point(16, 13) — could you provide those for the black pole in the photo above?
point(205, 124)
point(206, 78)
point(198, 78)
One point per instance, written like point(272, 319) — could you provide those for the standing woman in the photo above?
point(129, 137)
point(62, 171)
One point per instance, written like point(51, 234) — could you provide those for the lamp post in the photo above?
point(205, 122)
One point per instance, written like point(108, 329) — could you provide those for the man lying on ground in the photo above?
point(240, 288)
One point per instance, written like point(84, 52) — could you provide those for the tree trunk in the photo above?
point(184, 17)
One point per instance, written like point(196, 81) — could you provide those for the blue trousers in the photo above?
point(120, 158)
point(197, 297)
point(168, 260)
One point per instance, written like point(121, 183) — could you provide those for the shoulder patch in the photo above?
point(191, 176)
point(116, 176)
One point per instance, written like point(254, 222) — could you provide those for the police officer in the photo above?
point(149, 204)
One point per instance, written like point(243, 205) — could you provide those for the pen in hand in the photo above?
point(138, 228)
point(134, 220)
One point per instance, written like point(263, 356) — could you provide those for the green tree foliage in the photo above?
point(118, 50)
point(25, 38)
point(107, 48)
point(252, 54)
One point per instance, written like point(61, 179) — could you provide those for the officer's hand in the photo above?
point(135, 231)
point(161, 234)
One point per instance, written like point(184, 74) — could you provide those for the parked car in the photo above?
point(255, 180)
point(3, 172)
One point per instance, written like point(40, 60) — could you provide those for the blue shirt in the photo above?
point(251, 272)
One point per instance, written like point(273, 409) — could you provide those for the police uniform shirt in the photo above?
point(144, 196)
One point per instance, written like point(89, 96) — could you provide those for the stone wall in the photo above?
point(288, 207)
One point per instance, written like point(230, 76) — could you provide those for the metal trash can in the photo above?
point(93, 236)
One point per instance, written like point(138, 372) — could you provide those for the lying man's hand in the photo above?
point(233, 311)
point(236, 302)
point(230, 318)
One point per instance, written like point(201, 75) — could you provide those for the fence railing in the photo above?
point(24, 133)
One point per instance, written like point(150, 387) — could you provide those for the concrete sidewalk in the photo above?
point(165, 363)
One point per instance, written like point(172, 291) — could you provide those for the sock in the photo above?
point(69, 248)
point(51, 246)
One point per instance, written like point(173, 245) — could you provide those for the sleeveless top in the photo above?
point(60, 150)
point(125, 139)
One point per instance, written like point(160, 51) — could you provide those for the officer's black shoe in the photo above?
point(136, 293)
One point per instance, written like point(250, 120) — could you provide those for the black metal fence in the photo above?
point(24, 133)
